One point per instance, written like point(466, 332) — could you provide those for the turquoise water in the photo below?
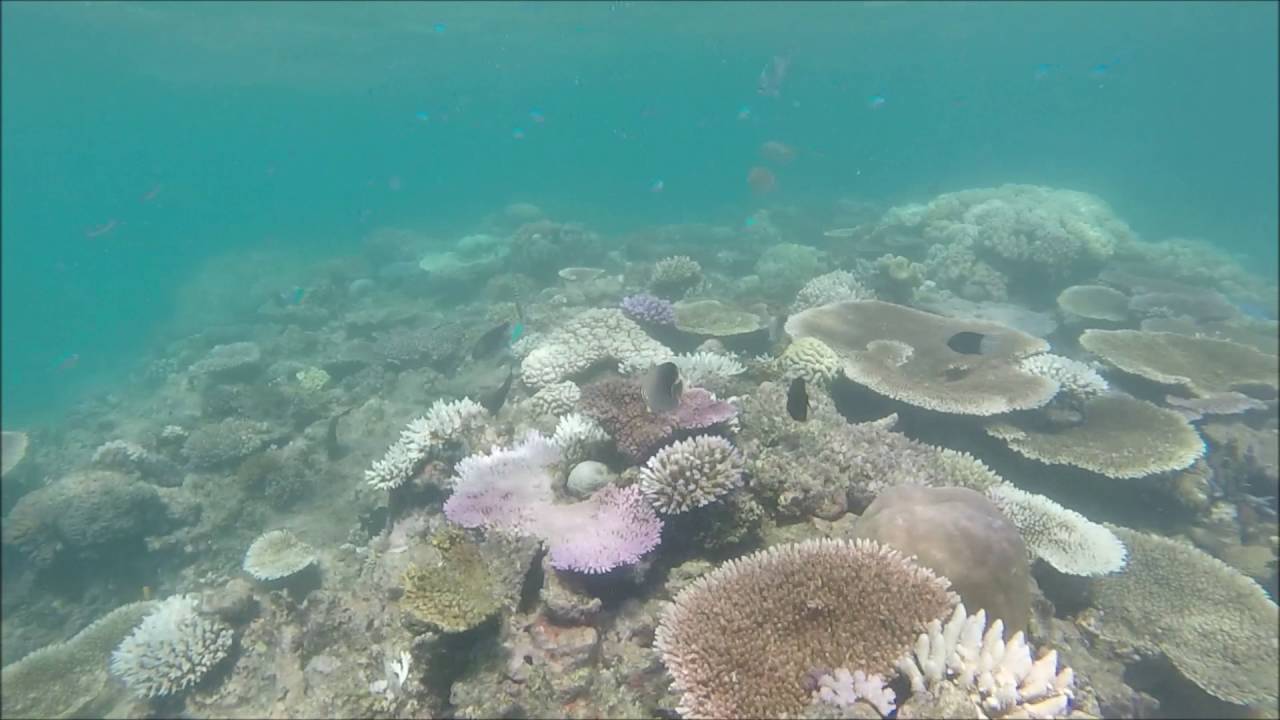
point(213, 129)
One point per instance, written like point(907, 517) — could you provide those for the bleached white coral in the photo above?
point(443, 421)
point(1073, 377)
point(691, 473)
point(1000, 676)
point(831, 287)
point(706, 369)
point(556, 398)
point(843, 688)
point(1061, 537)
point(575, 434)
point(590, 337)
point(171, 649)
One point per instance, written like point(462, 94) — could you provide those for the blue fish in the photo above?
point(1042, 71)
point(439, 28)
point(517, 331)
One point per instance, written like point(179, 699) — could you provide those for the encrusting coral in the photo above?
point(911, 356)
point(742, 640)
point(691, 473)
point(712, 318)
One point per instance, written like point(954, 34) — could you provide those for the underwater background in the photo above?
point(280, 126)
point(622, 359)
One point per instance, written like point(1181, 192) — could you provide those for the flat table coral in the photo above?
point(911, 356)
point(1120, 437)
point(1201, 365)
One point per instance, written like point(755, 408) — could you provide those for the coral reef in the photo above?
point(785, 267)
point(556, 399)
point(907, 355)
point(228, 362)
point(740, 640)
point(712, 318)
point(171, 649)
point(225, 442)
point(1074, 378)
point(691, 473)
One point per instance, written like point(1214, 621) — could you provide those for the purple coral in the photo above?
point(619, 407)
point(649, 309)
point(510, 489)
point(615, 527)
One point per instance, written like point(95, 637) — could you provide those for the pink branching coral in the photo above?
point(618, 405)
point(510, 489)
point(614, 527)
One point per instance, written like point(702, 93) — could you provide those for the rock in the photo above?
point(587, 477)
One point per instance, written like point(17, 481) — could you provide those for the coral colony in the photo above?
point(447, 452)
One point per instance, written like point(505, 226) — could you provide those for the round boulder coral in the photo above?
point(811, 359)
point(959, 534)
point(172, 649)
point(744, 639)
point(691, 473)
point(277, 554)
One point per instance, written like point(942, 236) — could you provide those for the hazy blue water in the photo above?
point(280, 125)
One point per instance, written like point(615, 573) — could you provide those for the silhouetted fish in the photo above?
point(332, 447)
point(798, 400)
point(494, 401)
point(492, 342)
point(662, 387)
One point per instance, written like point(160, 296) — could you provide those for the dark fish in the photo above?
point(662, 387)
point(494, 401)
point(492, 342)
point(331, 445)
point(798, 400)
point(966, 342)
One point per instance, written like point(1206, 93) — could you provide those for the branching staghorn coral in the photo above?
point(589, 338)
point(443, 422)
point(172, 649)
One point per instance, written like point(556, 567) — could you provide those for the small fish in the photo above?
point(750, 221)
point(537, 116)
point(422, 115)
point(494, 401)
point(493, 341)
point(846, 232)
point(779, 152)
point(967, 342)
point(875, 102)
point(394, 184)
point(772, 76)
point(292, 297)
point(1042, 71)
point(744, 113)
point(662, 387)
point(798, 400)
point(332, 447)
point(657, 186)
point(520, 317)
point(517, 134)
point(761, 180)
point(68, 362)
point(151, 194)
point(102, 229)
point(439, 28)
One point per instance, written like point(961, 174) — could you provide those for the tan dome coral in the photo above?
point(1201, 365)
point(714, 319)
point(741, 640)
point(1120, 437)
point(1216, 626)
point(811, 359)
point(911, 356)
